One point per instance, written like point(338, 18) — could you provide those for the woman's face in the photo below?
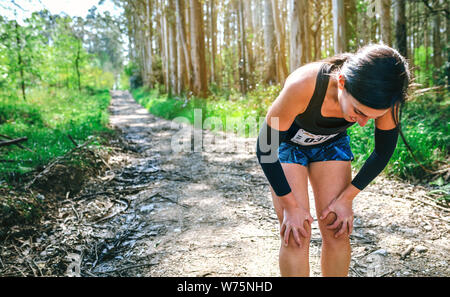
point(352, 109)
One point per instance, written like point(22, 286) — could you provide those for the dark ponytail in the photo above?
point(338, 60)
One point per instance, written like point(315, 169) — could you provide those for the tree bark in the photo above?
point(173, 66)
point(14, 141)
point(437, 49)
point(148, 80)
point(213, 38)
point(165, 57)
point(242, 48)
point(200, 86)
point(250, 40)
point(269, 44)
point(299, 37)
point(400, 28)
point(385, 21)
point(184, 59)
point(77, 63)
point(339, 26)
point(282, 71)
point(316, 29)
point(19, 61)
point(351, 18)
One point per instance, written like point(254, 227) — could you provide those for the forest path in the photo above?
point(210, 213)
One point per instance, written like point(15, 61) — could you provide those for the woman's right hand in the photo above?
point(294, 217)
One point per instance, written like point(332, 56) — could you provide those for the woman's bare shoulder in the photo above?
point(295, 95)
point(304, 74)
point(302, 82)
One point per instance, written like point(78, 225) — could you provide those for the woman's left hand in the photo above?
point(342, 207)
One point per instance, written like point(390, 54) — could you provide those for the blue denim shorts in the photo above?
point(337, 150)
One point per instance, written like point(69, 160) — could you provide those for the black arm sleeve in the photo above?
point(385, 143)
point(267, 152)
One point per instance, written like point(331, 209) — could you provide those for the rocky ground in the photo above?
point(157, 211)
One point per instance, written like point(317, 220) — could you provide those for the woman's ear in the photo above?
point(341, 82)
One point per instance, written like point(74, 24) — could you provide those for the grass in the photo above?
point(234, 112)
point(426, 129)
point(46, 119)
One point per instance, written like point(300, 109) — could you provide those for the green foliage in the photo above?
point(426, 133)
point(56, 51)
point(424, 68)
point(227, 106)
point(20, 113)
point(46, 119)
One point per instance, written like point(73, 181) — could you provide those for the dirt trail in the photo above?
point(223, 223)
point(158, 212)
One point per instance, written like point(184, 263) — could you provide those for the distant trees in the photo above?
point(58, 52)
point(191, 46)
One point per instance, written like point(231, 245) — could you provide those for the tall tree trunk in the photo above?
point(339, 26)
point(385, 21)
point(414, 30)
point(20, 61)
point(437, 49)
point(350, 17)
point(299, 37)
point(242, 52)
point(200, 86)
point(165, 57)
point(184, 65)
point(447, 42)
point(280, 49)
point(269, 44)
point(172, 47)
point(249, 42)
point(258, 16)
point(149, 46)
point(426, 44)
point(213, 38)
point(317, 29)
point(328, 29)
point(400, 28)
point(77, 63)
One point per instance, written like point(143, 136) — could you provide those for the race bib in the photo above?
point(306, 138)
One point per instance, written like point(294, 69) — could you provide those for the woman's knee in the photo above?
point(329, 235)
point(293, 247)
point(304, 241)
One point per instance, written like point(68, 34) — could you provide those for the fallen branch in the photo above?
point(15, 161)
point(127, 205)
point(17, 144)
point(421, 91)
point(14, 141)
point(72, 140)
point(428, 203)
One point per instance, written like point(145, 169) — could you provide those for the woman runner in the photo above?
point(304, 136)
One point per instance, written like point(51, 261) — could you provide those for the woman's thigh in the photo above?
point(328, 179)
point(297, 177)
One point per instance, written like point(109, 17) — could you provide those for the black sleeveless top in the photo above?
point(310, 128)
